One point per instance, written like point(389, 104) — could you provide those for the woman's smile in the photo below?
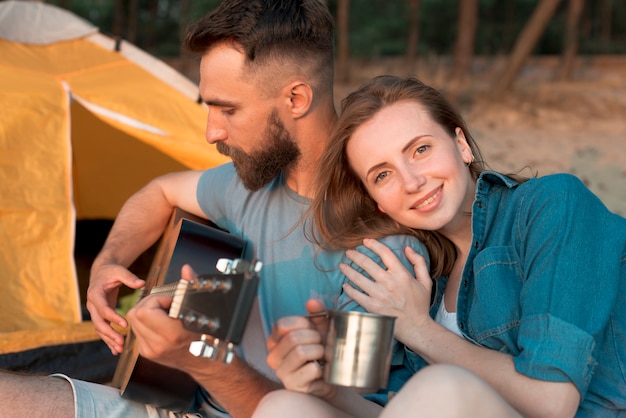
point(429, 202)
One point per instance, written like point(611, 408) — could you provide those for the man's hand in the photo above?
point(104, 285)
point(159, 337)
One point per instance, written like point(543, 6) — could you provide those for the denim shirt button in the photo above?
point(461, 326)
point(479, 204)
point(464, 283)
point(476, 244)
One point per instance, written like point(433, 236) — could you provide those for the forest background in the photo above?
point(542, 83)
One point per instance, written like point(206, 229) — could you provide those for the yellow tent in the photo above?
point(85, 122)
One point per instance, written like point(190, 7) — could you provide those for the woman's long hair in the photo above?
point(342, 212)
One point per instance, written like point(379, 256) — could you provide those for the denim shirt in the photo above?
point(545, 281)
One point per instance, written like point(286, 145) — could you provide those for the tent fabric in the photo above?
point(82, 127)
point(53, 24)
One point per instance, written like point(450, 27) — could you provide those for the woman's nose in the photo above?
point(413, 181)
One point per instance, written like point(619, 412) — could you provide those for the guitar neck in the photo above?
point(164, 290)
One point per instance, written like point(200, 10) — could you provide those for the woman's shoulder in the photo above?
point(560, 186)
point(559, 180)
point(562, 195)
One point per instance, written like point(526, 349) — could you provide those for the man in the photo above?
point(267, 78)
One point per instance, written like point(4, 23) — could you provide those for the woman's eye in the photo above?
point(381, 176)
point(421, 149)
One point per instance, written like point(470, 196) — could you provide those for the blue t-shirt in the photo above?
point(545, 281)
point(294, 270)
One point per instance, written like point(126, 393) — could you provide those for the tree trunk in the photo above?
point(606, 17)
point(570, 50)
point(131, 29)
point(525, 43)
point(413, 42)
point(183, 19)
point(464, 47)
point(150, 42)
point(118, 19)
point(343, 40)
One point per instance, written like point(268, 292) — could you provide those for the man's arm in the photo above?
point(138, 225)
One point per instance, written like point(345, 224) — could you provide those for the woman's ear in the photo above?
point(300, 98)
point(464, 147)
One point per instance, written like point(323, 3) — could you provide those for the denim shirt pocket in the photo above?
point(493, 311)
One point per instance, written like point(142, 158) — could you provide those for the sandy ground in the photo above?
point(577, 126)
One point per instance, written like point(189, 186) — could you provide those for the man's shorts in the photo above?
point(95, 400)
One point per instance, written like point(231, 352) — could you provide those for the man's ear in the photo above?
point(300, 97)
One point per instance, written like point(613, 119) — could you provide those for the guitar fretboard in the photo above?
point(166, 289)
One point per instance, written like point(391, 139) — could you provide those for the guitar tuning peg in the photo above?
point(256, 266)
point(238, 265)
point(229, 355)
point(189, 319)
point(203, 349)
point(228, 266)
point(213, 324)
point(224, 265)
point(224, 285)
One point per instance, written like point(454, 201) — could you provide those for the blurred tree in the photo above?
point(150, 42)
point(413, 42)
point(465, 39)
point(570, 47)
point(131, 26)
point(525, 43)
point(606, 17)
point(119, 20)
point(378, 28)
point(183, 20)
point(343, 40)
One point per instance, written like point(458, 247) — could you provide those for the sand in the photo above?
point(577, 126)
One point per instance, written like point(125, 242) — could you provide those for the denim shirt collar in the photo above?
point(493, 177)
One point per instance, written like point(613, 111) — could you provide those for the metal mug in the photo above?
point(358, 349)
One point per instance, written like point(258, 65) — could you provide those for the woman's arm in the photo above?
point(396, 292)
point(296, 348)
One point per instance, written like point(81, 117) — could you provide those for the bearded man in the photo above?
point(266, 76)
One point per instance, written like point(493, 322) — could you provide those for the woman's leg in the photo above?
point(288, 404)
point(448, 391)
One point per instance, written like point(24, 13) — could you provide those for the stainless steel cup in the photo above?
point(358, 349)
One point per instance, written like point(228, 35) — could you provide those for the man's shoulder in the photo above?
point(225, 176)
point(224, 171)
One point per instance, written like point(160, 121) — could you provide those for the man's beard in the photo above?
point(258, 168)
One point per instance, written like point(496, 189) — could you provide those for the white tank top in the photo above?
point(447, 319)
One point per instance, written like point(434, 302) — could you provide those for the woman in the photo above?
point(529, 318)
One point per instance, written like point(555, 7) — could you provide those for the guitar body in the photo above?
point(187, 240)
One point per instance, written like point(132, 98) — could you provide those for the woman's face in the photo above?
point(414, 170)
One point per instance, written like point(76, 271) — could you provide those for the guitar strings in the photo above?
point(166, 289)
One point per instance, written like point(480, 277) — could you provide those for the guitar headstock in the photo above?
point(217, 306)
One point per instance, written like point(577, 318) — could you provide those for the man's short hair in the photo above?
point(278, 37)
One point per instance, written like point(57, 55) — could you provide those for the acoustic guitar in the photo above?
point(216, 305)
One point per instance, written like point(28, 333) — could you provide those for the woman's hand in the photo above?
point(393, 291)
point(296, 352)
